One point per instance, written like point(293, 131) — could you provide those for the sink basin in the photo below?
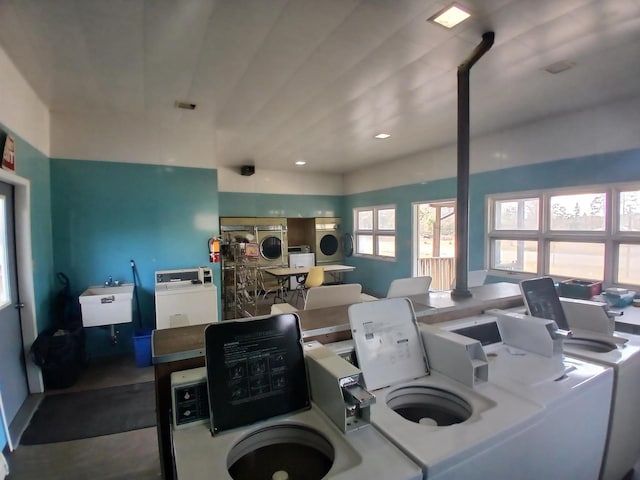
point(107, 305)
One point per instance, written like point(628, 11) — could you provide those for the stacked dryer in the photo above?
point(328, 247)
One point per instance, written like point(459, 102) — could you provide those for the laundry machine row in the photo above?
point(264, 423)
point(437, 400)
point(594, 339)
point(526, 356)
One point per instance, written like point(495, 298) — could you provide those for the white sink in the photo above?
point(107, 305)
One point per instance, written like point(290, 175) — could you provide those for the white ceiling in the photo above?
point(276, 81)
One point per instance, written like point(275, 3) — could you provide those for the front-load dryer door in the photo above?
point(271, 248)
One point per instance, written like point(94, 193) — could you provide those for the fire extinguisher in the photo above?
point(214, 250)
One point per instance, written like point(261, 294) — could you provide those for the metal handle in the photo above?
point(110, 299)
point(19, 305)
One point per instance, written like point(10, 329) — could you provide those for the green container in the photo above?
point(584, 289)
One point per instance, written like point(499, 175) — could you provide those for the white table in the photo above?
point(282, 274)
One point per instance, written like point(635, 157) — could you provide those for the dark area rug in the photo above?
point(72, 416)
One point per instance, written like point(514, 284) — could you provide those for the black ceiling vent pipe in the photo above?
point(461, 289)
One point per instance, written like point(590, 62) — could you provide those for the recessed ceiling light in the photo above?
point(382, 136)
point(301, 163)
point(450, 16)
point(559, 67)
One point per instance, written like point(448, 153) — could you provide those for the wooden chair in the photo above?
point(405, 287)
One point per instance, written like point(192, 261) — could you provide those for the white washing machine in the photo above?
point(328, 248)
point(576, 395)
point(263, 424)
point(595, 341)
point(185, 297)
point(454, 429)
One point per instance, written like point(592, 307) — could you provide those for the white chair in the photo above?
point(405, 287)
point(333, 295)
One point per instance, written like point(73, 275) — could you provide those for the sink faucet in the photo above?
point(109, 282)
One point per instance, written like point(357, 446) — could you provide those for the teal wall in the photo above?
point(90, 218)
point(375, 275)
point(270, 205)
point(106, 213)
point(35, 166)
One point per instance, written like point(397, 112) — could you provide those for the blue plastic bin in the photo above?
point(142, 348)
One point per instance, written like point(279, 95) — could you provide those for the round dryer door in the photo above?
point(329, 244)
point(271, 248)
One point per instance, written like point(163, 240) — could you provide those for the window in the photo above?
point(590, 233)
point(375, 231)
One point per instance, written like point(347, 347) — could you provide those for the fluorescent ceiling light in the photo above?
point(382, 136)
point(301, 163)
point(450, 16)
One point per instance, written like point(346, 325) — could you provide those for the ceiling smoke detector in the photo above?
point(185, 105)
point(559, 67)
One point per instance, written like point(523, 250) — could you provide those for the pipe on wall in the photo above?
point(461, 289)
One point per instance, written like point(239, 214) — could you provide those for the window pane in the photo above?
point(365, 220)
point(365, 244)
point(583, 212)
point(386, 246)
point(515, 255)
point(629, 215)
point(387, 219)
point(519, 214)
point(577, 259)
point(628, 265)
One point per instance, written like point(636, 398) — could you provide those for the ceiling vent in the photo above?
point(185, 105)
point(559, 67)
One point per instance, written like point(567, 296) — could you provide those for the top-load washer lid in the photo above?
point(387, 341)
point(255, 370)
point(541, 300)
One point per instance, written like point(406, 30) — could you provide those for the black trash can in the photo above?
point(57, 352)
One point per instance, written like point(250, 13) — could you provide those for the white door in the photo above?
point(13, 376)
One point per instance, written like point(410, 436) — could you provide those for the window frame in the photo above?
point(375, 232)
point(611, 237)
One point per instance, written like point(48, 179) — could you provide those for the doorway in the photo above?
point(25, 281)
point(434, 242)
point(13, 375)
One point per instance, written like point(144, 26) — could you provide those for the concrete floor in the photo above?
point(128, 455)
